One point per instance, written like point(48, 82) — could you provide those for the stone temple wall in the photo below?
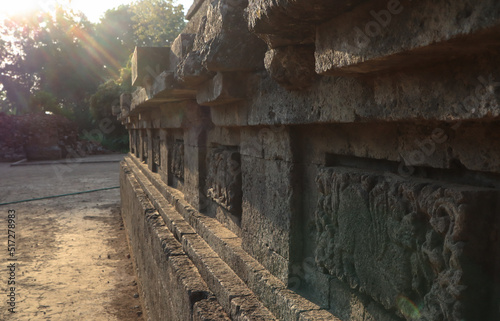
point(318, 160)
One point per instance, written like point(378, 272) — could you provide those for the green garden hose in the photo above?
point(61, 195)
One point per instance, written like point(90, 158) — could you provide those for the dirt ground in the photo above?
point(73, 261)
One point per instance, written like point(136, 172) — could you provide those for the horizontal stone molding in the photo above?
point(171, 286)
point(187, 223)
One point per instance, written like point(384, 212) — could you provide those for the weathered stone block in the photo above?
point(115, 110)
point(267, 211)
point(181, 46)
point(172, 116)
point(383, 35)
point(167, 88)
point(191, 72)
point(282, 22)
point(292, 66)
point(224, 41)
point(209, 310)
point(194, 8)
point(147, 63)
point(249, 308)
point(139, 96)
point(317, 315)
point(268, 142)
point(349, 304)
point(223, 88)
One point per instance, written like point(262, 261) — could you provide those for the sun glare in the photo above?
point(92, 9)
point(26, 7)
point(88, 7)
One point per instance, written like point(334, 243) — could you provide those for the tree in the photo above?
point(107, 95)
point(144, 23)
point(157, 22)
point(43, 101)
point(15, 77)
point(49, 53)
point(116, 38)
point(68, 63)
point(62, 63)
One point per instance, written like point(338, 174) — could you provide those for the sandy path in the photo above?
point(72, 255)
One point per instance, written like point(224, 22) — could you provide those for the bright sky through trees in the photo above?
point(54, 59)
point(93, 9)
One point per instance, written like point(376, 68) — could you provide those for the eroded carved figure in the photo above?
point(133, 143)
point(177, 164)
point(407, 244)
point(156, 151)
point(145, 147)
point(224, 178)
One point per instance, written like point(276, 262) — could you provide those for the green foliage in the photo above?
point(43, 101)
point(62, 63)
point(125, 80)
point(157, 22)
point(82, 116)
point(4, 104)
point(117, 144)
point(106, 96)
point(116, 39)
point(49, 53)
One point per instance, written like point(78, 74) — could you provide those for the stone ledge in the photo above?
point(204, 311)
point(226, 285)
point(173, 282)
point(368, 37)
point(282, 302)
point(283, 22)
point(223, 88)
point(146, 62)
point(393, 34)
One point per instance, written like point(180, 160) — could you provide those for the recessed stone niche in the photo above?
point(177, 161)
point(222, 192)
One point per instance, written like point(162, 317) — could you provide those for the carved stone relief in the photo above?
point(156, 151)
point(403, 243)
point(224, 178)
point(177, 163)
point(133, 144)
point(137, 143)
point(145, 146)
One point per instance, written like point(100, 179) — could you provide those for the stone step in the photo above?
point(229, 271)
point(232, 294)
point(168, 279)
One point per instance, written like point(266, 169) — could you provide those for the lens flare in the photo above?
point(407, 307)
